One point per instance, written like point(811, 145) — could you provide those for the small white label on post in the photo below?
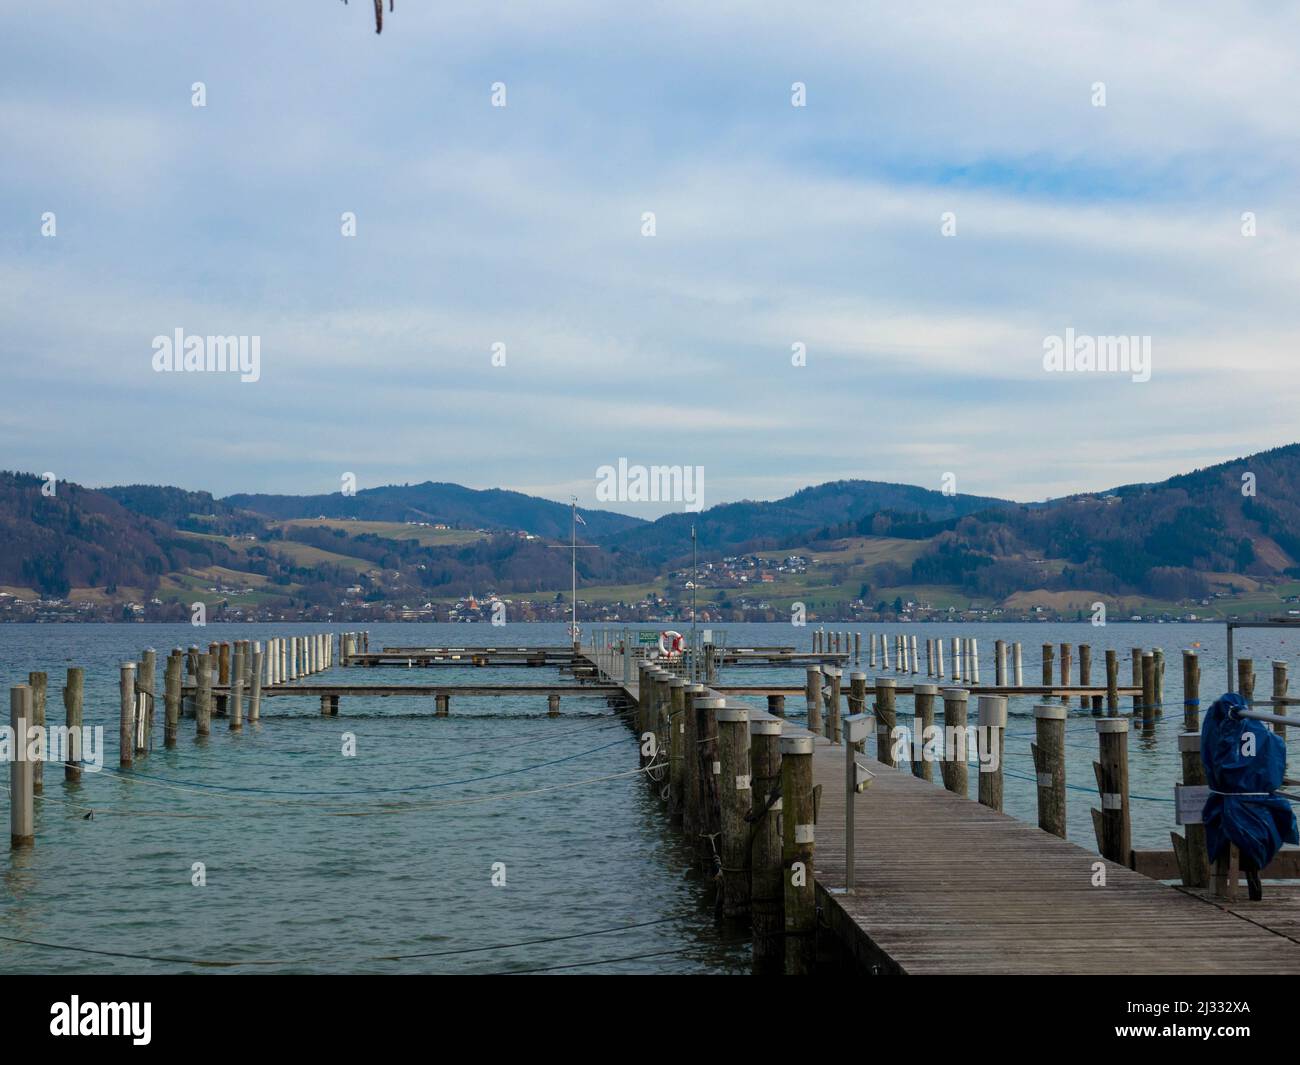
point(742, 783)
point(803, 833)
point(1189, 802)
point(1044, 780)
point(717, 769)
point(1112, 800)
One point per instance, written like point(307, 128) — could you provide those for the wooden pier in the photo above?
point(946, 884)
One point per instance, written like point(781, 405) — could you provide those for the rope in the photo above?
point(222, 963)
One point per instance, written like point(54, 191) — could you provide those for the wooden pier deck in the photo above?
point(944, 884)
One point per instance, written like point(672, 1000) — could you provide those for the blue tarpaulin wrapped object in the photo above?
point(1242, 808)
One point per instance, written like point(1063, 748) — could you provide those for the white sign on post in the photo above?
point(1189, 802)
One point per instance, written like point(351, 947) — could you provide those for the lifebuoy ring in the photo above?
point(671, 643)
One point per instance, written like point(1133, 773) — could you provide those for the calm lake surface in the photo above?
point(316, 862)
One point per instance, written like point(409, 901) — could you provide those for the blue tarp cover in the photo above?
point(1257, 824)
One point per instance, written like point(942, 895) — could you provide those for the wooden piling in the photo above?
point(1112, 684)
point(1000, 663)
point(1111, 822)
point(993, 727)
point(22, 805)
point(1049, 658)
point(953, 768)
point(552, 705)
point(833, 679)
point(1189, 850)
point(692, 818)
point(1246, 680)
point(203, 697)
point(735, 801)
point(886, 694)
point(797, 841)
point(1148, 691)
point(708, 770)
point(1191, 693)
point(38, 683)
point(237, 679)
point(1066, 662)
point(72, 695)
point(1085, 672)
point(442, 704)
point(172, 697)
point(766, 894)
point(1048, 750)
point(255, 686)
point(776, 705)
point(923, 722)
point(1019, 677)
point(1279, 694)
point(813, 695)
point(1136, 653)
point(676, 748)
point(1158, 707)
point(126, 717)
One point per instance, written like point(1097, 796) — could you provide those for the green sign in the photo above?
point(644, 637)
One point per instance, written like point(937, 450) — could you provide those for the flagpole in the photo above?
point(574, 631)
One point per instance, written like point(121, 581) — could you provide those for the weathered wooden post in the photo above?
point(237, 691)
point(126, 719)
point(708, 769)
point(1048, 750)
point(922, 723)
point(38, 682)
point(1279, 696)
point(1000, 663)
point(766, 894)
point(72, 696)
point(22, 805)
point(871, 649)
point(776, 705)
point(1137, 681)
point(797, 855)
point(886, 692)
point(857, 693)
point(938, 657)
point(1148, 691)
point(1159, 707)
point(973, 648)
point(956, 658)
point(993, 728)
point(676, 748)
point(1049, 657)
point(1085, 673)
point(1192, 694)
point(172, 698)
point(442, 704)
point(857, 648)
point(833, 675)
point(884, 651)
point(1066, 661)
point(734, 792)
point(692, 819)
point(223, 663)
point(1112, 684)
point(915, 668)
point(203, 697)
point(1246, 680)
point(1019, 668)
point(255, 686)
point(953, 767)
point(1190, 852)
point(553, 705)
point(813, 695)
point(1111, 822)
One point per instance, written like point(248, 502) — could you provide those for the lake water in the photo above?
point(316, 862)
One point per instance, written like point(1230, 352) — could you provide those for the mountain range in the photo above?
point(1229, 531)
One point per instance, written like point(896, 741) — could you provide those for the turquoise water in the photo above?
point(316, 862)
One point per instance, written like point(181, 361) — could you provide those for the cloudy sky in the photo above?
point(521, 225)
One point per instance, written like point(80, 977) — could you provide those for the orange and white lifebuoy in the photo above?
point(671, 643)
